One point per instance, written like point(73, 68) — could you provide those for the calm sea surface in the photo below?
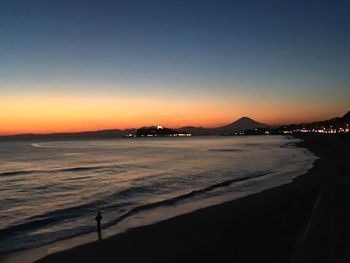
point(51, 191)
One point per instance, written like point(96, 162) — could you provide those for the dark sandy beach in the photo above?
point(307, 220)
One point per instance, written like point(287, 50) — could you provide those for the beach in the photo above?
point(174, 131)
point(298, 222)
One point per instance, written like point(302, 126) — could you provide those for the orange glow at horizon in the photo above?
point(48, 114)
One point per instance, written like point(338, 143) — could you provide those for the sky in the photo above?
point(92, 65)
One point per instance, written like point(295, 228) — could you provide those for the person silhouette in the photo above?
point(98, 219)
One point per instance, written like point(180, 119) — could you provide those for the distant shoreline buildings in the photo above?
point(340, 125)
point(300, 129)
point(157, 131)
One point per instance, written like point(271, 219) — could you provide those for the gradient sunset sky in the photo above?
point(89, 65)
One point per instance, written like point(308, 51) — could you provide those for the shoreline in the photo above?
point(269, 222)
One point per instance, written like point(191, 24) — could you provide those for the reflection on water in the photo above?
point(52, 190)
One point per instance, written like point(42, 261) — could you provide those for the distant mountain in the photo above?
point(242, 124)
point(239, 125)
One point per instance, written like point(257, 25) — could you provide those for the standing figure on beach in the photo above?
point(98, 219)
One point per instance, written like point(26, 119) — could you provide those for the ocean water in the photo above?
point(51, 191)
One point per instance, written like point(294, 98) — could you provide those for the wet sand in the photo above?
point(304, 221)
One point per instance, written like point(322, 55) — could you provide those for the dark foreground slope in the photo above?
point(291, 223)
point(328, 233)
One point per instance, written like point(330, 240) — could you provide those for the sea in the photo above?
point(51, 190)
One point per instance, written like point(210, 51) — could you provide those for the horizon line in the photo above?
point(134, 128)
